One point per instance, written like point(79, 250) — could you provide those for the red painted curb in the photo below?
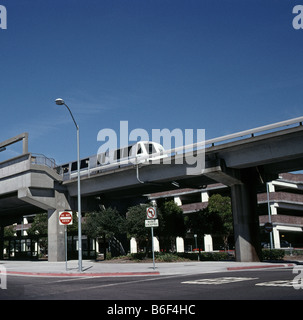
point(109, 274)
point(261, 267)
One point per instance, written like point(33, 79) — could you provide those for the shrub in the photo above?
point(137, 256)
point(274, 254)
point(166, 257)
point(206, 256)
point(214, 256)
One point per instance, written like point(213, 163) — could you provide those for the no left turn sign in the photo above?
point(151, 213)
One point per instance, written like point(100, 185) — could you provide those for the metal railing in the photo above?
point(227, 138)
point(37, 158)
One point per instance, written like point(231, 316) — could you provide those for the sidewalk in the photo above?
point(91, 268)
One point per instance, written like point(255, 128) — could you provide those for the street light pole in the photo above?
point(61, 102)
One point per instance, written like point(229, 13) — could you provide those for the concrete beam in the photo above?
point(273, 149)
point(220, 173)
point(22, 136)
point(42, 198)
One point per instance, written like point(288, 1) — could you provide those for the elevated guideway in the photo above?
point(270, 150)
point(244, 161)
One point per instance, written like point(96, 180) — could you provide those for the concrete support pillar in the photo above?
point(97, 246)
point(180, 244)
point(56, 236)
point(133, 245)
point(1, 242)
point(208, 243)
point(56, 248)
point(276, 238)
point(156, 245)
point(204, 196)
point(178, 201)
point(274, 209)
point(246, 222)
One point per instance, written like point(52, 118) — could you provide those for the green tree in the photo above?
point(203, 222)
point(171, 223)
point(39, 225)
point(221, 206)
point(135, 224)
point(106, 223)
point(9, 231)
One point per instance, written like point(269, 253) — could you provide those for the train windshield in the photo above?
point(150, 148)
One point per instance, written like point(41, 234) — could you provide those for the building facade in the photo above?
point(282, 205)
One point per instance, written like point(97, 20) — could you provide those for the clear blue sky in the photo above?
point(222, 66)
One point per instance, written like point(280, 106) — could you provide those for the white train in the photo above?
point(138, 153)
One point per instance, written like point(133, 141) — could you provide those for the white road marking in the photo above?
point(277, 283)
point(216, 281)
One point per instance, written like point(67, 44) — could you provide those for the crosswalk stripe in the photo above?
point(224, 280)
point(217, 281)
point(277, 283)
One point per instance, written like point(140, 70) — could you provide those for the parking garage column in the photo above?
point(245, 218)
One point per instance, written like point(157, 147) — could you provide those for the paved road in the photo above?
point(261, 284)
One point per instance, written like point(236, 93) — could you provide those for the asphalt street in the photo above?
point(283, 283)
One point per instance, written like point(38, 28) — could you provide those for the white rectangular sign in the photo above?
point(152, 223)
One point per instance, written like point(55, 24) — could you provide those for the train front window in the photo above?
point(151, 148)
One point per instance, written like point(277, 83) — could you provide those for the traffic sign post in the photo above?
point(153, 249)
point(65, 219)
point(268, 227)
point(151, 222)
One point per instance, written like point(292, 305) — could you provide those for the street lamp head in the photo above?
point(59, 102)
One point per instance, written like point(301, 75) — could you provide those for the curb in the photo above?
point(261, 267)
point(82, 275)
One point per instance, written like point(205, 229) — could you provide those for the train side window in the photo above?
point(117, 154)
point(129, 151)
point(125, 152)
point(65, 168)
point(74, 166)
point(84, 163)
